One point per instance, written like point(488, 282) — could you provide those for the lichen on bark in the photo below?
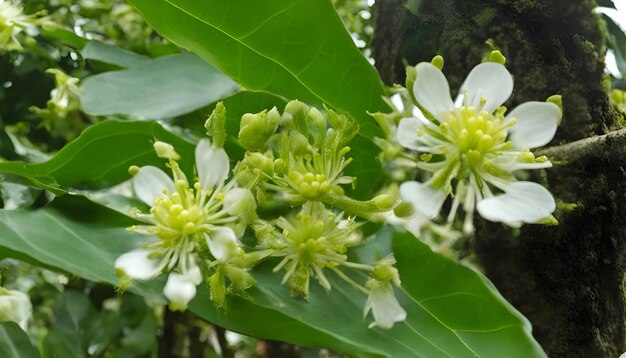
point(567, 279)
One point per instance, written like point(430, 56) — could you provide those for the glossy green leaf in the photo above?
point(66, 36)
point(14, 343)
point(161, 88)
point(114, 55)
point(298, 49)
point(453, 311)
point(112, 145)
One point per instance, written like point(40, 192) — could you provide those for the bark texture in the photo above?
point(567, 279)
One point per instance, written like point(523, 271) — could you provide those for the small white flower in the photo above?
point(381, 299)
point(184, 218)
point(384, 306)
point(15, 306)
point(472, 148)
point(181, 288)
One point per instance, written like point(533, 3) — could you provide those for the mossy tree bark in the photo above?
point(567, 279)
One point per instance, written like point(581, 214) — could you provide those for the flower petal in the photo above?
point(239, 201)
point(138, 265)
point(488, 80)
point(426, 200)
point(15, 306)
point(223, 243)
point(535, 124)
point(526, 202)
point(431, 89)
point(407, 134)
point(212, 164)
point(385, 307)
point(179, 290)
point(150, 182)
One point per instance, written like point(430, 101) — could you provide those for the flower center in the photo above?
point(476, 135)
point(309, 184)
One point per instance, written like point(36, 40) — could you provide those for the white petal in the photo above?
point(407, 134)
point(489, 80)
point(239, 201)
point(15, 306)
point(138, 265)
point(385, 307)
point(212, 164)
point(535, 124)
point(223, 243)
point(426, 200)
point(150, 182)
point(431, 89)
point(179, 290)
point(526, 202)
point(194, 274)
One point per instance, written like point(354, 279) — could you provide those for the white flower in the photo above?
point(472, 148)
point(184, 218)
point(384, 306)
point(381, 299)
point(15, 306)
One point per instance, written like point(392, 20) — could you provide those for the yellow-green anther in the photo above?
point(474, 157)
point(426, 157)
point(165, 150)
point(404, 210)
point(216, 125)
point(497, 57)
point(485, 143)
point(133, 170)
point(437, 61)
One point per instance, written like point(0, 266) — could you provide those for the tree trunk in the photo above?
point(567, 279)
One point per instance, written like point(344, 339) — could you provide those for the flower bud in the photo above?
point(261, 162)
point(256, 129)
point(497, 57)
point(218, 291)
point(216, 125)
point(437, 61)
point(240, 279)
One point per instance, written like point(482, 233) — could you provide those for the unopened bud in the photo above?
point(437, 61)
point(256, 129)
point(404, 210)
point(497, 57)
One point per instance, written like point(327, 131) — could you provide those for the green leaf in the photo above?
point(453, 311)
point(100, 157)
point(14, 343)
point(297, 49)
point(606, 3)
point(66, 36)
point(161, 88)
point(114, 55)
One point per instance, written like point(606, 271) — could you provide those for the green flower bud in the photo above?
point(497, 57)
point(295, 115)
point(218, 291)
point(261, 162)
point(256, 129)
point(558, 100)
point(437, 61)
point(216, 125)
point(240, 279)
point(298, 143)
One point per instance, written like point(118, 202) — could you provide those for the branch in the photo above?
point(584, 147)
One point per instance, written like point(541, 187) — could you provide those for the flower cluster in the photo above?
point(14, 25)
point(294, 162)
point(472, 148)
point(186, 220)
